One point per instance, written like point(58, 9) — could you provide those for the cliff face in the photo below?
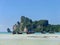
point(27, 25)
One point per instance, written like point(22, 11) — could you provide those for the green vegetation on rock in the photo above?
point(27, 25)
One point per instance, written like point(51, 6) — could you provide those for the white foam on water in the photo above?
point(29, 36)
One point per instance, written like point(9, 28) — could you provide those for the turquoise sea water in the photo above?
point(4, 33)
point(25, 33)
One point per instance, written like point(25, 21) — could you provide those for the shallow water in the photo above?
point(28, 42)
point(21, 41)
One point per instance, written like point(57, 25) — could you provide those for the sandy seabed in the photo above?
point(30, 39)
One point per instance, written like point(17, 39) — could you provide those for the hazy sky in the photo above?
point(12, 10)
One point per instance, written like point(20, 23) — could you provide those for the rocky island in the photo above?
point(28, 26)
